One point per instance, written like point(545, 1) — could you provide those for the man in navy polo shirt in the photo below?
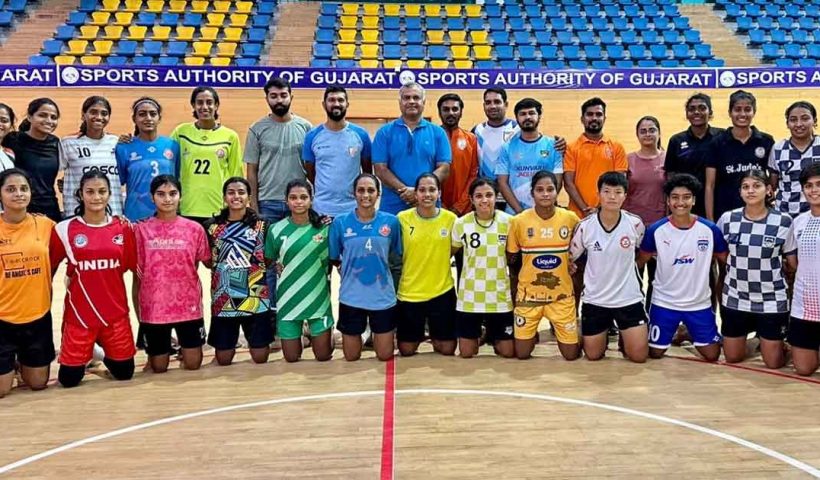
point(407, 147)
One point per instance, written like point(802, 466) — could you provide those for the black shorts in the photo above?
point(353, 320)
point(804, 334)
point(499, 326)
point(29, 343)
point(770, 326)
point(437, 313)
point(596, 320)
point(156, 337)
point(225, 331)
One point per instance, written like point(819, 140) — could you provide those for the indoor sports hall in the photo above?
point(426, 416)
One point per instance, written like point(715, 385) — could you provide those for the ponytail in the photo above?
point(24, 126)
point(313, 217)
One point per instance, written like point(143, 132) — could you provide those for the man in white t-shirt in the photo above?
point(612, 292)
point(684, 245)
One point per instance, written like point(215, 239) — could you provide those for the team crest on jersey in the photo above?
point(768, 241)
point(152, 149)
point(349, 233)
point(352, 151)
point(608, 152)
point(461, 144)
point(703, 244)
point(625, 242)
point(596, 247)
point(221, 153)
point(545, 154)
point(530, 232)
point(444, 233)
point(117, 240)
point(563, 232)
point(318, 238)
point(80, 241)
point(502, 239)
point(168, 153)
point(384, 230)
point(520, 321)
point(760, 152)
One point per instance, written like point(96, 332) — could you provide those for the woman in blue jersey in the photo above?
point(360, 244)
point(145, 157)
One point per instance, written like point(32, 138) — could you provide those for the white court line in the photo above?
point(813, 471)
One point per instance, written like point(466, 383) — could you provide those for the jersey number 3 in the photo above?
point(202, 167)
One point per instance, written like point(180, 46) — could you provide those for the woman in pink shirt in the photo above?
point(646, 176)
point(169, 250)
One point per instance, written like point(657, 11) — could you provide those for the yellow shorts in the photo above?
point(561, 315)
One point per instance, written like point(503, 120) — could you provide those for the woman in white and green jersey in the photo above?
point(484, 297)
point(210, 153)
point(298, 245)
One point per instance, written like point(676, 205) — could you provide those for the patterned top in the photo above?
point(754, 280)
point(238, 286)
point(80, 154)
point(804, 241)
point(787, 162)
point(484, 285)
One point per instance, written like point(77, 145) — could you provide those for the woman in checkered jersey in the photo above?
point(754, 292)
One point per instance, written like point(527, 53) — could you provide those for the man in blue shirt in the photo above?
point(407, 147)
point(335, 153)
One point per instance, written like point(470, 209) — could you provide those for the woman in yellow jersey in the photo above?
point(25, 286)
point(210, 154)
point(541, 235)
point(426, 294)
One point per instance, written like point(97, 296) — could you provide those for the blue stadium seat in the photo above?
point(607, 37)
point(434, 23)
point(177, 49)
point(261, 21)
point(753, 10)
point(703, 51)
point(577, 64)
point(550, 52)
point(265, 8)
point(615, 52)
point(784, 62)
point(169, 61)
point(652, 10)
point(715, 62)
point(649, 37)
point(623, 64)
point(504, 52)
point(492, 11)
point(126, 48)
point(246, 62)
point(517, 24)
point(600, 64)
point(532, 64)
point(733, 10)
point(251, 50)
point(578, 23)
point(792, 51)
point(257, 35)
point(169, 19)
point(572, 11)
point(414, 37)
point(813, 50)
point(772, 10)
point(475, 24)
point(329, 36)
point(526, 52)
point(681, 23)
point(806, 23)
point(320, 63)
point(647, 63)
point(543, 38)
point(612, 11)
point(145, 19)
point(692, 37)
point(39, 60)
point(811, 11)
point(671, 37)
point(629, 37)
point(552, 11)
point(508, 64)
point(564, 38)
point(77, 19)
point(88, 5)
point(662, 23)
point(391, 37)
point(142, 60)
point(512, 10)
point(438, 52)
point(522, 38)
point(329, 9)
point(533, 11)
point(600, 24)
point(778, 36)
point(326, 22)
point(632, 11)
point(65, 32)
point(455, 24)
point(692, 63)
point(498, 25)
point(500, 38)
point(192, 20)
point(592, 10)
point(322, 50)
point(412, 23)
point(620, 24)
point(556, 64)
point(766, 23)
point(681, 51)
point(593, 52)
point(346, 64)
point(571, 52)
point(807, 62)
point(415, 52)
point(744, 24)
point(800, 36)
point(485, 64)
point(670, 63)
point(538, 24)
point(153, 48)
point(585, 37)
point(770, 51)
point(671, 11)
point(116, 60)
point(558, 24)
point(637, 52)
point(392, 52)
point(391, 23)
point(657, 52)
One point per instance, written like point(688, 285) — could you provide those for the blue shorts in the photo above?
point(663, 322)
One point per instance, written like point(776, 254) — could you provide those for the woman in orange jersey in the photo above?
point(25, 286)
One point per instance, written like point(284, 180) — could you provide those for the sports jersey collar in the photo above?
point(755, 136)
point(456, 132)
point(815, 140)
point(108, 220)
point(710, 132)
point(521, 137)
point(422, 123)
point(620, 219)
point(584, 139)
point(506, 123)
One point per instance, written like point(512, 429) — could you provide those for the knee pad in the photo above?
point(120, 369)
point(70, 376)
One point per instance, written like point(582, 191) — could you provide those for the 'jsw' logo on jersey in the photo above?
point(684, 260)
point(98, 264)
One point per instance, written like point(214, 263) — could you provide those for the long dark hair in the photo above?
point(33, 106)
point(78, 195)
point(314, 218)
point(250, 219)
point(212, 91)
point(87, 104)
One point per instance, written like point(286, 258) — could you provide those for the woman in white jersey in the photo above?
point(484, 296)
point(88, 150)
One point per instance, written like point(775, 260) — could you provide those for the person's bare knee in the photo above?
point(408, 349)
point(225, 357)
point(656, 353)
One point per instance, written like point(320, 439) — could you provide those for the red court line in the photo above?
point(750, 369)
point(388, 419)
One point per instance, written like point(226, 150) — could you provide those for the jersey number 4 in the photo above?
point(202, 167)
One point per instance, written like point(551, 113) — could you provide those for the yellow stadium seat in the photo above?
point(473, 11)
point(110, 5)
point(460, 52)
point(88, 32)
point(239, 19)
point(416, 64)
point(200, 6)
point(113, 32)
point(194, 61)
point(439, 64)
point(208, 33)
point(133, 6)
point(161, 33)
point(64, 59)
point(392, 63)
point(347, 35)
point(202, 49)
point(478, 38)
point(452, 10)
point(392, 9)
point(244, 7)
point(155, 6)
point(226, 49)
point(184, 33)
point(99, 18)
point(463, 63)
point(233, 34)
point(177, 6)
point(346, 50)
point(435, 37)
point(220, 61)
point(370, 36)
point(216, 19)
point(482, 52)
point(103, 47)
point(350, 9)
point(458, 37)
point(370, 22)
point(412, 10)
point(371, 9)
point(349, 21)
point(370, 51)
point(369, 63)
point(123, 19)
point(222, 6)
point(90, 60)
point(432, 10)
point(137, 32)
point(77, 47)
